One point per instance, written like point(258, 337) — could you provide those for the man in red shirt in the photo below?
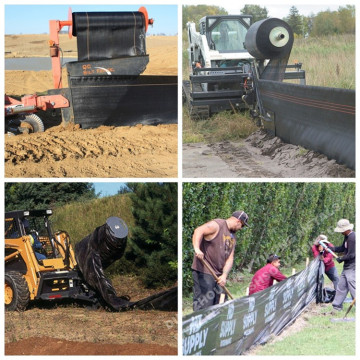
point(265, 276)
point(327, 258)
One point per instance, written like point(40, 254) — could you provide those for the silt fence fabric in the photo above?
point(233, 327)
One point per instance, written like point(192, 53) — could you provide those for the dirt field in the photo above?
point(259, 156)
point(73, 330)
point(141, 151)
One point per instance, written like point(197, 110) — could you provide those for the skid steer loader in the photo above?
point(27, 278)
point(41, 265)
point(224, 65)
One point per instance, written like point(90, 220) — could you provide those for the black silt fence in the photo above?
point(318, 118)
point(233, 327)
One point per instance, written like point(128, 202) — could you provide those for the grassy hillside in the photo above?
point(81, 219)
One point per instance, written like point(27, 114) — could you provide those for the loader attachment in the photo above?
point(105, 84)
point(122, 100)
point(99, 250)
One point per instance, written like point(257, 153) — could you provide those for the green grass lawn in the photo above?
point(318, 335)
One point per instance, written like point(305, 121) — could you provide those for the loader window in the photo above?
point(228, 36)
point(11, 229)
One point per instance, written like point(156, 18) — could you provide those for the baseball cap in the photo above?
point(242, 216)
point(272, 257)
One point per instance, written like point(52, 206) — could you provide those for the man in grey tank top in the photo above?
point(215, 243)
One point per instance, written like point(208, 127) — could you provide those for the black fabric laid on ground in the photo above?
point(107, 35)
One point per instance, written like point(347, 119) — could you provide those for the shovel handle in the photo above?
point(207, 265)
point(350, 307)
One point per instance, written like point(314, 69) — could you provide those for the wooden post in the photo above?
point(293, 271)
point(247, 291)
point(307, 262)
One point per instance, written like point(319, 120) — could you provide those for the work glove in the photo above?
point(339, 260)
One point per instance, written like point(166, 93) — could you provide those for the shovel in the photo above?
point(215, 277)
point(345, 319)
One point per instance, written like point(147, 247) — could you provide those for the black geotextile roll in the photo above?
point(96, 252)
point(99, 250)
point(107, 35)
point(270, 39)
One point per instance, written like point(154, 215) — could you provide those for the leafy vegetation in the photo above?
point(222, 126)
point(284, 218)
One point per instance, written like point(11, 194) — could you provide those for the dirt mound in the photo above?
point(139, 151)
point(296, 160)
point(260, 155)
point(52, 346)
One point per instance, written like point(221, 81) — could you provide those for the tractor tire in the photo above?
point(17, 295)
point(31, 124)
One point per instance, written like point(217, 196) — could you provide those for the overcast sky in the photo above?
point(281, 10)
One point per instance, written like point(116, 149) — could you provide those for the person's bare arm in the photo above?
point(206, 231)
point(227, 268)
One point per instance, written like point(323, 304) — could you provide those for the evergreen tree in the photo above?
point(153, 239)
point(294, 19)
point(24, 196)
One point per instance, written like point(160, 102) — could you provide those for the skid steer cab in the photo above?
point(223, 69)
point(39, 264)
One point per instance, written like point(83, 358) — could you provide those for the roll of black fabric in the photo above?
point(270, 39)
point(108, 35)
point(96, 252)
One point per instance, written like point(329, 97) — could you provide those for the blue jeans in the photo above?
point(206, 291)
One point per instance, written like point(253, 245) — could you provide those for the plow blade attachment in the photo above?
point(100, 249)
point(122, 100)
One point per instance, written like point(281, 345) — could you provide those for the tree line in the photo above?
point(323, 23)
point(285, 218)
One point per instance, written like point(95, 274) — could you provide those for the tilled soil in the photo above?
point(70, 329)
point(52, 346)
point(139, 151)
